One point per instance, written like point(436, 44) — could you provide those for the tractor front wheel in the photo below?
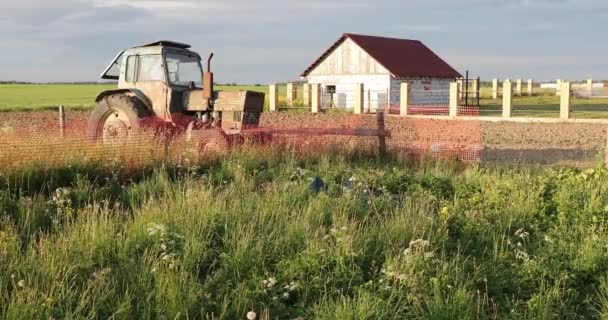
point(116, 118)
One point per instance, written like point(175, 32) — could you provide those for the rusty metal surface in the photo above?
point(157, 93)
point(194, 101)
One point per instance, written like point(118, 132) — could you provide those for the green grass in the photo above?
point(82, 96)
point(27, 96)
point(543, 104)
point(15, 97)
point(382, 240)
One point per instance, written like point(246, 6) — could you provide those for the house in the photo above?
point(381, 65)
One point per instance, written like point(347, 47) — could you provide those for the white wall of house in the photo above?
point(423, 91)
point(375, 86)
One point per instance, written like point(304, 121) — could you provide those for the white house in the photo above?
point(381, 65)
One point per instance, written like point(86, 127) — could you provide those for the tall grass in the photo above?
point(247, 233)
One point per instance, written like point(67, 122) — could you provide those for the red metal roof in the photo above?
point(402, 58)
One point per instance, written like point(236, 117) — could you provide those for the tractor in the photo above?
point(162, 87)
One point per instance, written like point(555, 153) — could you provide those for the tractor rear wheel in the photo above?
point(116, 118)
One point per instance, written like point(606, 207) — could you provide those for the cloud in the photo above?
point(271, 40)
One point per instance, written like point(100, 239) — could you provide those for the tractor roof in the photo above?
point(166, 43)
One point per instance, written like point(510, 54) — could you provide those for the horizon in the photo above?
point(538, 39)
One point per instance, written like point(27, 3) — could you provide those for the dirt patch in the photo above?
point(503, 135)
point(579, 141)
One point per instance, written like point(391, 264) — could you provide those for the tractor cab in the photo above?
point(162, 71)
point(163, 79)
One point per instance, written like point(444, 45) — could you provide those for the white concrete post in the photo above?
point(530, 87)
point(306, 95)
point(291, 94)
point(475, 87)
point(564, 105)
point(315, 98)
point(460, 84)
point(454, 95)
point(358, 98)
point(518, 88)
point(507, 99)
point(590, 87)
point(404, 99)
point(495, 89)
point(558, 88)
point(273, 97)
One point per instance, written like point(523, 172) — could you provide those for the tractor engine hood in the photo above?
point(247, 101)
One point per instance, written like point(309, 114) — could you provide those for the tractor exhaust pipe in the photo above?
point(208, 82)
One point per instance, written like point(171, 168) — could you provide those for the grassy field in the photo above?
point(247, 234)
point(544, 104)
point(82, 96)
point(15, 97)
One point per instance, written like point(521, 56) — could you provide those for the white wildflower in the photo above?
point(21, 284)
point(271, 282)
point(251, 315)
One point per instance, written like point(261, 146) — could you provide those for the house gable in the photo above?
point(347, 58)
point(361, 54)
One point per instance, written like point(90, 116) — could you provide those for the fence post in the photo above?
point(518, 88)
point(460, 87)
point(273, 96)
point(558, 87)
point(606, 152)
point(358, 98)
point(453, 111)
point(404, 99)
point(590, 87)
point(316, 98)
point(61, 120)
point(495, 89)
point(564, 105)
point(306, 95)
point(475, 88)
point(291, 94)
point(507, 99)
point(381, 136)
point(530, 87)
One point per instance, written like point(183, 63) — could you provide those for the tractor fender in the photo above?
point(132, 92)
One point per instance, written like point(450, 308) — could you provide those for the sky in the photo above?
point(265, 41)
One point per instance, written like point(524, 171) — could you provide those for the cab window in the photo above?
point(184, 69)
point(150, 68)
point(130, 69)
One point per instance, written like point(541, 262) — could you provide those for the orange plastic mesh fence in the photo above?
point(35, 138)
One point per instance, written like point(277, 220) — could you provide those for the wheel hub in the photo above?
point(116, 127)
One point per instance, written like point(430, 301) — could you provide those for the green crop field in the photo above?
point(15, 97)
point(251, 233)
point(544, 104)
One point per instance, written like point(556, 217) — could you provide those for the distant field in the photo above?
point(14, 97)
point(544, 104)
